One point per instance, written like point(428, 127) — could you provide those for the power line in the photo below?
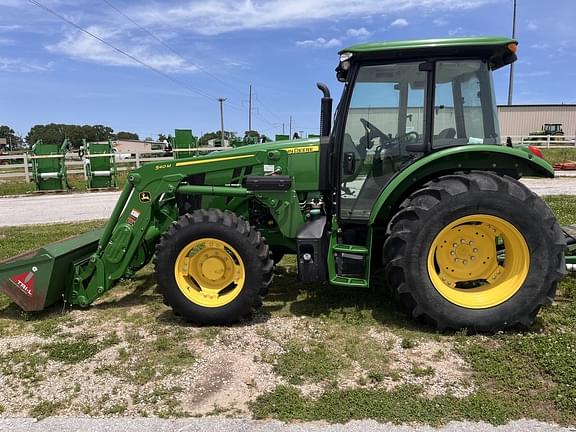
point(130, 56)
point(266, 108)
point(164, 44)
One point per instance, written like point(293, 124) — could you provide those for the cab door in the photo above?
point(386, 112)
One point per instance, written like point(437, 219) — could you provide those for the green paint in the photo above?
point(500, 159)
point(437, 44)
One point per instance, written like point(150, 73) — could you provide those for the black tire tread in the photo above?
point(412, 215)
point(233, 222)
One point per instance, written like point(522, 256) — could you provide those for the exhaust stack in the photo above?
point(325, 110)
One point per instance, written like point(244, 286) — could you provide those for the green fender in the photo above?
point(516, 162)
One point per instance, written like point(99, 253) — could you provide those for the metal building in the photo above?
point(520, 120)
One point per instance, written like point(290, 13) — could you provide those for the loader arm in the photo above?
point(146, 209)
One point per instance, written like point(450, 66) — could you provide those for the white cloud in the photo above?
point(81, 46)
point(400, 22)
point(532, 25)
point(211, 17)
point(540, 46)
point(7, 28)
point(360, 33)
point(440, 22)
point(6, 41)
point(319, 43)
point(22, 66)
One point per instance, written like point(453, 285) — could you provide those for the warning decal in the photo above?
point(25, 282)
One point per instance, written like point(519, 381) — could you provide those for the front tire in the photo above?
point(212, 267)
point(475, 250)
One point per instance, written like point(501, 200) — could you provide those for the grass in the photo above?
point(76, 183)
point(515, 374)
point(553, 156)
point(143, 362)
point(310, 363)
point(20, 239)
point(405, 404)
point(45, 409)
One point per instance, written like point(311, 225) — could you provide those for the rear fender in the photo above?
point(514, 162)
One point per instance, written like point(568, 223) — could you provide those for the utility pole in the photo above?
point(283, 133)
point(290, 129)
point(511, 82)
point(221, 100)
point(250, 109)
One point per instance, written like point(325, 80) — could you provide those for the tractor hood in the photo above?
point(299, 159)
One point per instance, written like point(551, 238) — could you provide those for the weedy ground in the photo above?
point(313, 352)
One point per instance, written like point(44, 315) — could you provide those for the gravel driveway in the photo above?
point(54, 208)
point(220, 424)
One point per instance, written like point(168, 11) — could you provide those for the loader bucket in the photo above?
point(40, 278)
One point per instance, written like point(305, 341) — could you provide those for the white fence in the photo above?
point(20, 165)
point(544, 141)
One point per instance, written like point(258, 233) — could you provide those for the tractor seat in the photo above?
point(448, 133)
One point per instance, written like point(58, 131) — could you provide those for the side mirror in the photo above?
point(349, 163)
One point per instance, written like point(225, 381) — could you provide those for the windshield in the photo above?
point(464, 104)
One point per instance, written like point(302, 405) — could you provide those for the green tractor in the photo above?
point(553, 130)
point(412, 178)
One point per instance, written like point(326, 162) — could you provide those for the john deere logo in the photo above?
point(145, 197)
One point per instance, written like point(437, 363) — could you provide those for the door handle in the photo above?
point(349, 163)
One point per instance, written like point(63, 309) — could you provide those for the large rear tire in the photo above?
point(212, 267)
point(474, 250)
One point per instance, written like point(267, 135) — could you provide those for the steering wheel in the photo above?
point(409, 137)
point(404, 138)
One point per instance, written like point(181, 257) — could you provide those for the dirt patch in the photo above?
point(433, 364)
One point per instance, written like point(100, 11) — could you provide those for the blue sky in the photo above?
point(50, 72)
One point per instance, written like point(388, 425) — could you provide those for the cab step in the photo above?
point(349, 282)
point(350, 249)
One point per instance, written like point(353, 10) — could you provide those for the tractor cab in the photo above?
point(403, 100)
point(553, 129)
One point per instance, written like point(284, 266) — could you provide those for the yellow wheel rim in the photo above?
point(478, 261)
point(209, 272)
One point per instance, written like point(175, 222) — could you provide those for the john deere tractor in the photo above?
point(411, 179)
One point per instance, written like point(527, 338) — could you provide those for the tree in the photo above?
point(11, 139)
point(252, 133)
point(127, 136)
point(216, 135)
point(56, 133)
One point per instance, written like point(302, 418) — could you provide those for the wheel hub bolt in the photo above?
point(475, 250)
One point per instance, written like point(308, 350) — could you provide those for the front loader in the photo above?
point(411, 179)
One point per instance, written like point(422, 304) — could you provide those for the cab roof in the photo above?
point(491, 47)
point(439, 44)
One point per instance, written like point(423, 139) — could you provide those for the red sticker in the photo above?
point(25, 282)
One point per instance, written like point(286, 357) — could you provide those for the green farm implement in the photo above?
point(411, 179)
point(184, 144)
point(48, 165)
point(100, 165)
